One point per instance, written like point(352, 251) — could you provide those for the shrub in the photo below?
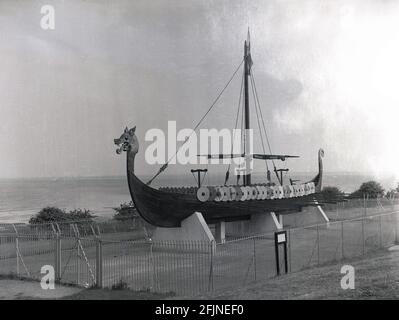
point(80, 214)
point(54, 214)
point(48, 214)
point(393, 193)
point(332, 192)
point(126, 210)
point(372, 189)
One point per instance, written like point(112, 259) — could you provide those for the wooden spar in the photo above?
point(247, 136)
point(198, 171)
point(280, 179)
point(255, 156)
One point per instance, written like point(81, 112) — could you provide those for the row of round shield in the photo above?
point(241, 193)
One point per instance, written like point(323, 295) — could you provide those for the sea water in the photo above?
point(22, 198)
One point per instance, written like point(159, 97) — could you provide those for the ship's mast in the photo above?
point(247, 136)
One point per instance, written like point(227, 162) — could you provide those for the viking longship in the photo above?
point(167, 207)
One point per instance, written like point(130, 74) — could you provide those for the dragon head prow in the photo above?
point(127, 141)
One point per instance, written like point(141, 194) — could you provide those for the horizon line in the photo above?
point(180, 174)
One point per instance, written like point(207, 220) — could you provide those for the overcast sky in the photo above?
point(326, 73)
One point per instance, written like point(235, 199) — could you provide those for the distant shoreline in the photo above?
point(21, 198)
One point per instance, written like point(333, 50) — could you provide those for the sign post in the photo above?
point(280, 238)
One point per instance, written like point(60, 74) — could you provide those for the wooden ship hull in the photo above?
point(168, 209)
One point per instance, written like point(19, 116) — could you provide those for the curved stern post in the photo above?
point(318, 183)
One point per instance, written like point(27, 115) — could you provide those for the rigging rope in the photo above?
point(260, 129)
point(235, 127)
point(203, 178)
point(261, 114)
point(263, 122)
point(196, 127)
point(194, 176)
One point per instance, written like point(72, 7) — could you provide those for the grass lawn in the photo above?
point(376, 277)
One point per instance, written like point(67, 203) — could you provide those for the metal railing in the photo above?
point(335, 241)
point(131, 228)
point(189, 267)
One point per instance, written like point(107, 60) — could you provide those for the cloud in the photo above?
point(326, 75)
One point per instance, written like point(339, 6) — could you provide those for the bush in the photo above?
point(125, 211)
point(393, 193)
point(54, 214)
point(371, 189)
point(80, 214)
point(332, 192)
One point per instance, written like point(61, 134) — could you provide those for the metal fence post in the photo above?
point(77, 263)
point(16, 247)
point(337, 211)
point(99, 264)
point(53, 228)
point(363, 239)
point(57, 257)
point(210, 280)
point(58, 228)
point(380, 227)
point(254, 253)
point(364, 204)
point(289, 249)
point(342, 239)
point(16, 251)
point(318, 245)
point(396, 227)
